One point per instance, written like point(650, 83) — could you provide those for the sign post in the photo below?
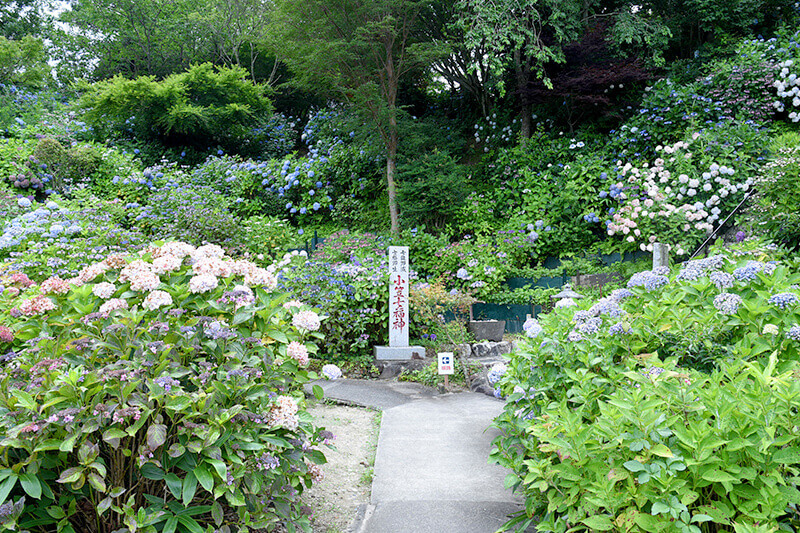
point(398, 296)
point(398, 348)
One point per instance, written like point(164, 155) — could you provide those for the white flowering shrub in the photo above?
point(156, 391)
point(665, 406)
point(679, 197)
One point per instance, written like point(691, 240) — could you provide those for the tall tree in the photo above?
point(357, 51)
point(530, 35)
point(239, 24)
point(141, 37)
point(461, 66)
point(22, 61)
point(530, 32)
point(19, 18)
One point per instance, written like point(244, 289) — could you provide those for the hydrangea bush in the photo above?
point(59, 237)
point(665, 406)
point(347, 279)
point(156, 391)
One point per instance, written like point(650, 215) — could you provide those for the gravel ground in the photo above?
point(348, 472)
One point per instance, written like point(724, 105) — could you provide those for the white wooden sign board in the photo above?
point(398, 296)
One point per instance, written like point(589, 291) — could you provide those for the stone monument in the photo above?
point(398, 349)
point(660, 255)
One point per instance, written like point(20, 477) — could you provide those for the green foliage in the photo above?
point(21, 18)
point(432, 190)
point(22, 62)
point(607, 422)
point(477, 265)
point(176, 409)
point(524, 296)
point(266, 238)
point(429, 374)
point(203, 106)
point(774, 210)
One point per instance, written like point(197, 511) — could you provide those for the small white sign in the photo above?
point(446, 363)
point(398, 296)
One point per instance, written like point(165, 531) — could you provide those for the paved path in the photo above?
point(431, 469)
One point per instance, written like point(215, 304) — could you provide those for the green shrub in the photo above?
point(347, 279)
point(774, 211)
point(241, 182)
point(266, 238)
point(656, 408)
point(432, 190)
point(196, 215)
point(61, 237)
point(203, 106)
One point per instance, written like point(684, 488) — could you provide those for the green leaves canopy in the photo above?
point(203, 105)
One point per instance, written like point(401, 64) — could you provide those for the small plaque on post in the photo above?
point(446, 363)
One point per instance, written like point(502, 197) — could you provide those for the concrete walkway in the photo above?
point(431, 469)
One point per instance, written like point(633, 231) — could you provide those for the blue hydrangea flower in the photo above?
point(580, 317)
point(650, 280)
point(463, 274)
point(794, 333)
point(590, 327)
point(617, 295)
point(574, 336)
point(618, 329)
point(722, 280)
point(727, 303)
point(606, 306)
point(532, 328)
point(689, 273)
point(783, 300)
point(749, 271)
point(331, 371)
point(496, 373)
point(652, 372)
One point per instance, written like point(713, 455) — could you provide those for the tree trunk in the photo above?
point(391, 171)
point(523, 77)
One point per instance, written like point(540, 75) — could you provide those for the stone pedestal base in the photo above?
point(399, 353)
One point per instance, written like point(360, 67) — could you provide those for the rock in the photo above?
point(491, 349)
point(504, 347)
point(392, 369)
point(481, 349)
point(481, 384)
point(463, 350)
